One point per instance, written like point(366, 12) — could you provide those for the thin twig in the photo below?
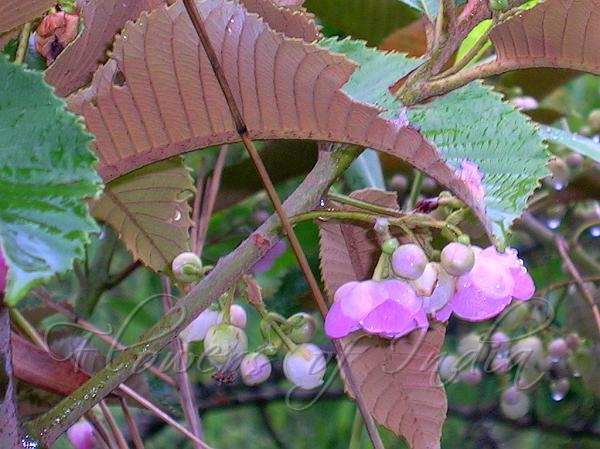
point(104, 437)
point(114, 427)
point(184, 388)
point(563, 249)
point(162, 415)
point(198, 200)
point(87, 326)
point(211, 193)
point(133, 429)
point(23, 44)
point(124, 274)
point(242, 130)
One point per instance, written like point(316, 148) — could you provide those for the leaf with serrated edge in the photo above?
point(398, 380)
point(102, 19)
point(506, 146)
point(46, 173)
point(17, 12)
point(157, 96)
point(554, 33)
point(150, 211)
point(291, 22)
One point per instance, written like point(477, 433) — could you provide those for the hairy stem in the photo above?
point(52, 424)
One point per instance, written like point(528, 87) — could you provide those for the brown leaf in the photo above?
point(150, 211)
point(157, 96)
point(102, 20)
point(291, 22)
point(38, 368)
point(398, 380)
point(16, 12)
point(555, 33)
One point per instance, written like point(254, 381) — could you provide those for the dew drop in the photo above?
point(595, 231)
point(322, 202)
point(553, 223)
point(177, 216)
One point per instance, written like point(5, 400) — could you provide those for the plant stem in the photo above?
point(114, 427)
point(357, 427)
point(52, 424)
point(364, 205)
point(133, 429)
point(27, 328)
point(211, 193)
point(184, 387)
point(415, 190)
point(23, 43)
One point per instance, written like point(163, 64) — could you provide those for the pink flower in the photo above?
point(81, 435)
point(470, 174)
point(387, 308)
point(490, 286)
point(270, 257)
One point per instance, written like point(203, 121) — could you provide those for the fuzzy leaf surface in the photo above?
point(46, 173)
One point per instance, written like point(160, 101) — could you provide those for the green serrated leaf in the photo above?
point(474, 123)
point(369, 83)
point(579, 144)
point(46, 173)
point(504, 143)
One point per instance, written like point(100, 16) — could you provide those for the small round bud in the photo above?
point(470, 344)
point(558, 348)
point(197, 329)
point(457, 259)
point(305, 366)
point(499, 341)
point(594, 120)
point(529, 351)
point(304, 328)
point(448, 368)
point(389, 246)
point(472, 376)
point(514, 403)
point(573, 341)
point(409, 261)
point(187, 267)
point(575, 160)
point(267, 330)
point(399, 183)
point(225, 344)
point(237, 316)
point(429, 185)
point(500, 365)
point(255, 368)
point(464, 239)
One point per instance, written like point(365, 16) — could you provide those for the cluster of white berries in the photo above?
point(529, 358)
point(226, 346)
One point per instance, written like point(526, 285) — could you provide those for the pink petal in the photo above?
point(444, 313)
point(338, 325)
point(400, 292)
point(389, 319)
point(489, 275)
point(472, 177)
point(361, 300)
point(472, 304)
point(524, 287)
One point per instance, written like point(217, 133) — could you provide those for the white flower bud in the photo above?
point(305, 366)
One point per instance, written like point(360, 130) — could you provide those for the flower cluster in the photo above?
point(472, 283)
